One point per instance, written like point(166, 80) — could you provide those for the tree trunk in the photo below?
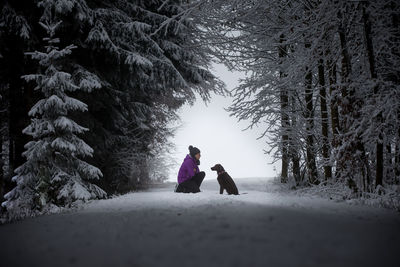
point(352, 145)
point(334, 105)
point(310, 160)
point(293, 148)
point(324, 121)
point(350, 106)
point(1, 166)
point(3, 117)
point(285, 159)
point(371, 60)
point(4, 169)
point(345, 62)
point(333, 93)
point(284, 119)
point(397, 151)
point(296, 167)
point(389, 163)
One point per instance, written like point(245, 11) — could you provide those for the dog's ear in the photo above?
point(221, 168)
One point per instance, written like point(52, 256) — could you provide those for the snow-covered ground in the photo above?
point(262, 227)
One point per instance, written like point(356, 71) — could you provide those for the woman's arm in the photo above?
point(190, 171)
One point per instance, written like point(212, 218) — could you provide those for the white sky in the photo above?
point(220, 137)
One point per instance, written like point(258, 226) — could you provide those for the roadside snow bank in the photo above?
point(383, 197)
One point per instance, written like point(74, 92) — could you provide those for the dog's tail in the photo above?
point(245, 193)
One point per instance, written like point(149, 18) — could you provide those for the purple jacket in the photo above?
point(188, 169)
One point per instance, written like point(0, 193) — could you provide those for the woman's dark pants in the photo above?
point(192, 185)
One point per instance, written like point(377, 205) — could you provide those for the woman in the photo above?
point(189, 176)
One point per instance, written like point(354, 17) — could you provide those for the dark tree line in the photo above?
point(133, 64)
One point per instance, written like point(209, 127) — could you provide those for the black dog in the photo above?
point(225, 181)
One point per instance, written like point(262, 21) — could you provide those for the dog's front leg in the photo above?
point(221, 190)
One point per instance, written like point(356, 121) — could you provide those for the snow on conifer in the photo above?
point(55, 173)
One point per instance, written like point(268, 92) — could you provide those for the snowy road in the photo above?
point(162, 228)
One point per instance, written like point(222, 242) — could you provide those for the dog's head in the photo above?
point(218, 168)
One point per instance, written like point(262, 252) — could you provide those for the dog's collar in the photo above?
point(219, 173)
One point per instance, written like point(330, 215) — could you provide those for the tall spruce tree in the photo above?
point(55, 173)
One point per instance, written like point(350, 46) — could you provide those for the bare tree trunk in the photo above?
point(285, 157)
point(309, 109)
point(354, 145)
point(334, 110)
point(324, 121)
point(397, 151)
point(389, 163)
point(344, 74)
point(284, 119)
point(294, 154)
point(296, 167)
point(1, 165)
point(333, 105)
point(345, 62)
point(310, 160)
point(3, 121)
point(371, 60)
point(349, 105)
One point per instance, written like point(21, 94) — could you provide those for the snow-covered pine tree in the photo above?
point(55, 173)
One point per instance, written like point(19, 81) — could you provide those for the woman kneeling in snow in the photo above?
point(189, 176)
